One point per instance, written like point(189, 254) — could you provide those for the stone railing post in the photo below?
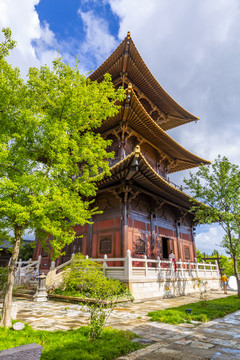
point(180, 268)
point(128, 266)
point(217, 269)
point(104, 264)
point(145, 265)
point(159, 267)
point(172, 270)
point(189, 268)
point(205, 271)
point(196, 267)
point(18, 271)
point(211, 267)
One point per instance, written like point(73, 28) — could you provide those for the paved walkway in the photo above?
point(219, 339)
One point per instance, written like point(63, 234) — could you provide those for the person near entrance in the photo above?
point(224, 281)
point(173, 259)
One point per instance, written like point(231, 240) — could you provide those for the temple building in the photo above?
point(141, 209)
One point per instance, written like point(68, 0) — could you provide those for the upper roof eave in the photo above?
point(147, 83)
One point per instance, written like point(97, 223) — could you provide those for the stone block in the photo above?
point(25, 352)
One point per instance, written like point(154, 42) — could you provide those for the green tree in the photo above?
point(218, 187)
point(199, 256)
point(50, 154)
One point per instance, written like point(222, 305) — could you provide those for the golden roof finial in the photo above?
point(129, 86)
point(128, 35)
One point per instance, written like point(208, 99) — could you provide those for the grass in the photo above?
point(72, 344)
point(201, 311)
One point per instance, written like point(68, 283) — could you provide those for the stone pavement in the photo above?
point(218, 339)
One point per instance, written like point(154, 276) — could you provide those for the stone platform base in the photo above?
point(152, 289)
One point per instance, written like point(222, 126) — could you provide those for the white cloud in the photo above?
point(209, 238)
point(99, 42)
point(36, 43)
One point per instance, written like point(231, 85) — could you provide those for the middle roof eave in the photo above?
point(140, 122)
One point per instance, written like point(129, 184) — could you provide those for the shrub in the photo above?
point(86, 277)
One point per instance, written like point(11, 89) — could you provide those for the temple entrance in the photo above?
point(165, 247)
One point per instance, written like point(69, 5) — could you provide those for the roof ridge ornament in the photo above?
point(128, 35)
point(129, 92)
point(137, 150)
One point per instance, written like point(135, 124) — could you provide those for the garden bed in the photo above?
point(77, 299)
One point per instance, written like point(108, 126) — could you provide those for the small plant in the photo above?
point(203, 287)
point(86, 278)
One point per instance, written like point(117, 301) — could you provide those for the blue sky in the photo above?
point(192, 48)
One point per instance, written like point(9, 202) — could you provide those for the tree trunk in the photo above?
point(6, 320)
point(236, 274)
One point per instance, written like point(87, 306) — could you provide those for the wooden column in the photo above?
point(178, 241)
point(152, 229)
point(124, 229)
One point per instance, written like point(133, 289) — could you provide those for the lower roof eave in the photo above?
point(117, 186)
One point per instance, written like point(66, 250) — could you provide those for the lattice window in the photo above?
point(106, 245)
point(186, 252)
point(77, 247)
point(140, 246)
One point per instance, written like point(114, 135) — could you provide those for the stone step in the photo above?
point(23, 295)
point(26, 291)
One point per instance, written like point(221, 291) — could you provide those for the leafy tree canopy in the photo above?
point(218, 187)
point(50, 154)
point(47, 130)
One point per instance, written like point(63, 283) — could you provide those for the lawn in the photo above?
point(72, 344)
point(201, 311)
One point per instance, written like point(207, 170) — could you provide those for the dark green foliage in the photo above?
point(26, 251)
point(72, 344)
point(201, 311)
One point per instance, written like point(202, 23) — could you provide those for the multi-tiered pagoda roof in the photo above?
point(146, 113)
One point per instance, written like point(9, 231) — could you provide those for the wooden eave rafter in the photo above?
point(140, 123)
point(125, 62)
point(145, 177)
